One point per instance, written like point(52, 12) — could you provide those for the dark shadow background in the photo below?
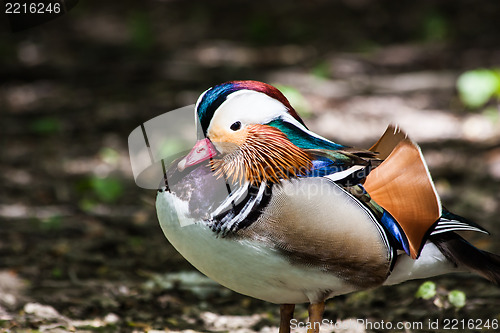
point(77, 235)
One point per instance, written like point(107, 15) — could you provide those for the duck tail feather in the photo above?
point(464, 254)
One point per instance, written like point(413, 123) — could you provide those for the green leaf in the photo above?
point(141, 32)
point(321, 70)
point(492, 113)
point(427, 290)
point(109, 156)
point(46, 125)
point(457, 298)
point(87, 205)
point(260, 28)
point(296, 99)
point(478, 86)
point(107, 189)
point(435, 27)
point(57, 272)
point(52, 223)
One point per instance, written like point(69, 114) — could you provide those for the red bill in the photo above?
point(202, 151)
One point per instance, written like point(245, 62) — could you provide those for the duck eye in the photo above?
point(235, 126)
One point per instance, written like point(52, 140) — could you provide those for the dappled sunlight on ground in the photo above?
point(80, 243)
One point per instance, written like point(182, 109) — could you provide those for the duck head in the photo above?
point(251, 133)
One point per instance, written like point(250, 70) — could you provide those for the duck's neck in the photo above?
point(302, 137)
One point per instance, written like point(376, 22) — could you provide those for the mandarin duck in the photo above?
point(272, 210)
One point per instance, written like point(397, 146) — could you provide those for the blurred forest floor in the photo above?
point(80, 245)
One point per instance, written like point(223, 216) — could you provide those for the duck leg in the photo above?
point(315, 316)
point(286, 314)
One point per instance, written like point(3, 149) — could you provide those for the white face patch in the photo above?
point(248, 107)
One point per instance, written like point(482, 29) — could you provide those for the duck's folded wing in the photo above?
point(317, 223)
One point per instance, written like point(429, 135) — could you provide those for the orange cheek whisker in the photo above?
point(265, 155)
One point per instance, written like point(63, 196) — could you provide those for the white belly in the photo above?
point(245, 266)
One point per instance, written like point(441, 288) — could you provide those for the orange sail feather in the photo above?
point(403, 186)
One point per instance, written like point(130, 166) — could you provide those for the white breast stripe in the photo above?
point(233, 198)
